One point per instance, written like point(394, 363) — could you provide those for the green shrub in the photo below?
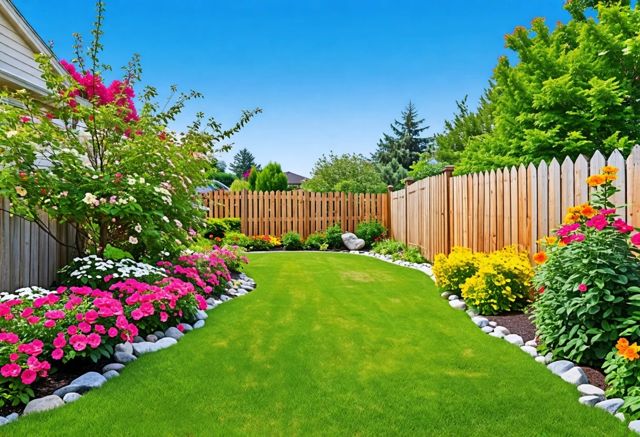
point(315, 241)
point(237, 239)
point(292, 241)
point(115, 253)
point(370, 231)
point(271, 178)
point(239, 185)
point(412, 255)
point(501, 284)
point(388, 247)
point(333, 235)
point(217, 228)
point(453, 270)
point(588, 281)
point(201, 245)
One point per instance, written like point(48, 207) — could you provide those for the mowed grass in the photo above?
point(331, 344)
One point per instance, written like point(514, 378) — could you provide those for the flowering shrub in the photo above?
point(207, 273)
point(217, 228)
point(258, 242)
point(622, 369)
point(371, 231)
point(102, 273)
point(588, 279)
point(114, 172)
point(233, 257)
point(452, 271)
point(502, 282)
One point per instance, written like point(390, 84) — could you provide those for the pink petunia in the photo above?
point(55, 314)
point(622, 226)
point(598, 222)
point(49, 323)
point(164, 317)
point(635, 239)
point(57, 354)
point(59, 342)
point(14, 357)
point(582, 288)
point(137, 314)
point(94, 340)
point(10, 370)
point(28, 376)
point(567, 229)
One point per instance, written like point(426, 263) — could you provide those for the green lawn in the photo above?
point(331, 344)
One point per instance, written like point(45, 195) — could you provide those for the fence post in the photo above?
point(388, 211)
point(407, 182)
point(244, 200)
point(450, 193)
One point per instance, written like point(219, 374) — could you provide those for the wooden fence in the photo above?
point(28, 255)
point(487, 211)
point(278, 212)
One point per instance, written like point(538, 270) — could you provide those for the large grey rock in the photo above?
point(174, 333)
point(201, 315)
point(199, 324)
point(634, 425)
point(113, 366)
point(138, 339)
point(158, 334)
point(12, 417)
point(560, 367)
point(187, 327)
point(43, 404)
point(352, 241)
point(514, 339)
point(3, 420)
point(480, 321)
point(71, 397)
point(144, 348)
point(453, 297)
point(530, 350)
point(496, 334)
point(110, 374)
point(124, 347)
point(610, 405)
point(224, 297)
point(590, 390)
point(501, 330)
point(493, 324)
point(589, 400)
point(458, 305)
point(151, 338)
point(123, 357)
point(575, 376)
point(487, 329)
point(82, 384)
point(166, 342)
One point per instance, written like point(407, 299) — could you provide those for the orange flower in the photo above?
point(571, 218)
point(631, 353)
point(595, 180)
point(609, 169)
point(588, 211)
point(574, 209)
point(622, 345)
point(540, 257)
point(610, 177)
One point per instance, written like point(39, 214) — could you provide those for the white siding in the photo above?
point(16, 58)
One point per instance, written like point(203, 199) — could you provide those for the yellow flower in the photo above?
point(571, 218)
point(610, 177)
point(574, 209)
point(21, 191)
point(596, 180)
point(551, 240)
point(609, 169)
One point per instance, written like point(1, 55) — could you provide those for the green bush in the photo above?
point(271, 178)
point(388, 247)
point(217, 228)
point(412, 255)
point(370, 231)
point(240, 185)
point(237, 239)
point(333, 236)
point(316, 241)
point(292, 241)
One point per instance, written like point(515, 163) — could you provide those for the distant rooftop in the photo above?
point(294, 179)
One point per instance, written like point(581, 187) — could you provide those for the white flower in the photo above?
point(178, 223)
point(133, 240)
point(165, 219)
point(138, 228)
point(131, 181)
point(11, 133)
point(90, 199)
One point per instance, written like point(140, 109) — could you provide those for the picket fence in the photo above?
point(518, 205)
point(277, 212)
point(28, 255)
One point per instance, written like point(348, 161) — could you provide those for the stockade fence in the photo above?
point(518, 205)
point(278, 212)
point(28, 255)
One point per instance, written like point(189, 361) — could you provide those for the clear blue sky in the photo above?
point(329, 75)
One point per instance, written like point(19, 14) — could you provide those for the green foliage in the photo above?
point(237, 239)
point(404, 144)
point(398, 251)
point(243, 161)
point(348, 173)
point(370, 231)
point(589, 284)
point(240, 185)
point(115, 253)
point(292, 241)
point(253, 177)
point(217, 228)
point(501, 284)
point(572, 91)
point(393, 173)
point(271, 179)
point(333, 234)
point(226, 178)
point(453, 270)
point(425, 167)
point(316, 241)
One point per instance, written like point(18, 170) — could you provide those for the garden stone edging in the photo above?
point(127, 352)
point(568, 371)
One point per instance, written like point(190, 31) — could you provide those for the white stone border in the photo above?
point(590, 395)
point(128, 352)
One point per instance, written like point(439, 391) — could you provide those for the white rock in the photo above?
point(531, 343)
point(530, 350)
point(610, 405)
point(575, 376)
point(487, 329)
point(493, 324)
point(502, 330)
point(480, 321)
point(453, 297)
point(43, 404)
point(514, 339)
point(560, 367)
point(634, 425)
point(458, 305)
point(589, 400)
point(590, 390)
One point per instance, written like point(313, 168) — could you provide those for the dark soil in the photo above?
point(519, 323)
point(46, 386)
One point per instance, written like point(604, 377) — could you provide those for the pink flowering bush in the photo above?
point(233, 256)
point(588, 281)
point(208, 273)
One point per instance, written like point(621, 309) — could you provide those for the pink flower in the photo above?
point(582, 288)
point(567, 229)
point(57, 354)
point(622, 226)
point(14, 357)
point(137, 314)
point(10, 370)
point(72, 330)
point(34, 348)
point(635, 239)
point(112, 332)
point(28, 376)
point(55, 314)
point(25, 119)
point(33, 320)
point(598, 222)
point(26, 312)
point(78, 341)
point(94, 340)
point(49, 323)
point(85, 328)
point(608, 211)
point(108, 278)
point(59, 342)
point(202, 303)
point(9, 337)
point(91, 316)
point(163, 316)
point(180, 327)
point(99, 329)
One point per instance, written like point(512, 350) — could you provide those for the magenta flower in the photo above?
point(567, 229)
point(10, 370)
point(582, 288)
point(94, 340)
point(598, 222)
point(57, 354)
point(622, 226)
point(14, 357)
point(28, 376)
point(55, 314)
point(635, 239)
point(59, 341)
point(49, 323)
point(112, 332)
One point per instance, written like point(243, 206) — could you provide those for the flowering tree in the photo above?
point(85, 155)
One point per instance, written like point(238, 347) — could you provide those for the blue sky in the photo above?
point(329, 75)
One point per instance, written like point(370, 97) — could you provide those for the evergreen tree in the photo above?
point(272, 178)
point(393, 173)
point(404, 144)
point(242, 162)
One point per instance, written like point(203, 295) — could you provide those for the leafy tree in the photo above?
point(404, 144)
point(221, 166)
point(253, 176)
point(271, 178)
point(426, 167)
point(239, 185)
point(349, 173)
point(574, 90)
point(225, 178)
point(243, 161)
point(393, 173)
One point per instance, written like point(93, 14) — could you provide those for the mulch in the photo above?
point(519, 323)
